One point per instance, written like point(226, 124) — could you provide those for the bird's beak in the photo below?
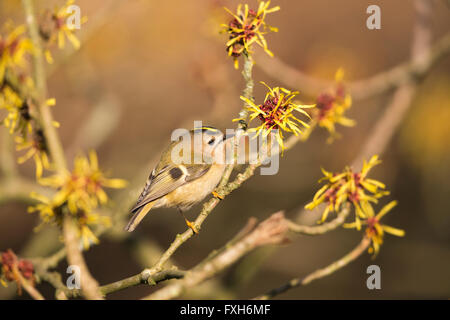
point(228, 136)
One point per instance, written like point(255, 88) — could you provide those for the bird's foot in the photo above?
point(216, 195)
point(192, 226)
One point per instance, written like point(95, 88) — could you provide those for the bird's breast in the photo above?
point(196, 190)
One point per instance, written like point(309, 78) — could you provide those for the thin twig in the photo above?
point(271, 231)
point(257, 261)
point(387, 125)
point(248, 90)
point(360, 89)
point(55, 279)
point(323, 228)
point(138, 279)
point(142, 278)
point(249, 227)
point(32, 291)
point(243, 114)
point(320, 273)
point(19, 189)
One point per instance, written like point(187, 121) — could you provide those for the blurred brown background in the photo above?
point(155, 66)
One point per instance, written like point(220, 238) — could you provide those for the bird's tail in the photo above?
point(138, 216)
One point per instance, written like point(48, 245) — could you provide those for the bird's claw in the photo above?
point(216, 195)
point(192, 226)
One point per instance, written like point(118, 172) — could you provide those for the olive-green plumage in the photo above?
point(183, 183)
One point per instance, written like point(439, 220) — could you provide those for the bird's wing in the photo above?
point(168, 179)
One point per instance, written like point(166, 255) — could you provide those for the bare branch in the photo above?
point(323, 228)
point(271, 231)
point(32, 291)
point(360, 89)
point(320, 273)
point(19, 189)
point(387, 125)
point(74, 256)
point(141, 278)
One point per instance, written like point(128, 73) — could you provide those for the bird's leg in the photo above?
point(190, 224)
point(216, 195)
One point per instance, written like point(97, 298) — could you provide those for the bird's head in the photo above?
point(209, 141)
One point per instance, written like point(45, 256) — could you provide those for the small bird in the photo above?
point(182, 184)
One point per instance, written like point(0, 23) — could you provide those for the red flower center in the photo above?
point(13, 46)
point(324, 104)
point(371, 222)
point(330, 195)
point(248, 32)
point(271, 115)
point(58, 21)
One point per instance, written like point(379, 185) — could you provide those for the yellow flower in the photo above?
point(37, 146)
point(13, 49)
point(78, 193)
point(51, 211)
point(248, 27)
point(60, 16)
point(87, 219)
point(374, 230)
point(331, 107)
point(37, 149)
point(348, 186)
point(48, 210)
point(18, 117)
point(82, 189)
point(56, 28)
point(277, 113)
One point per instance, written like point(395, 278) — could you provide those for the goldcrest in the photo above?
point(181, 185)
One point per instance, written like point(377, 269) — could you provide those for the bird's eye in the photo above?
point(210, 142)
